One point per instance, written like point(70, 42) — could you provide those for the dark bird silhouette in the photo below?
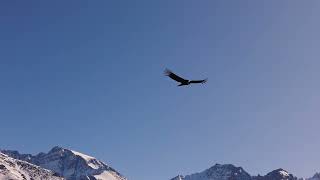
point(183, 82)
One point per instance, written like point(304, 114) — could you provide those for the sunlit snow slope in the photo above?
point(70, 164)
point(11, 168)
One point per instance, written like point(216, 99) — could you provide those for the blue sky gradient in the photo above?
point(89, 76)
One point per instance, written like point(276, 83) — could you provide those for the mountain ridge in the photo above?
point(231, 172)
point(15, 169)
point(65, 164)
point(69, 164)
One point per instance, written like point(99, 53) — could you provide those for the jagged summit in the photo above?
point(56, 149)
point(218, 172)
point(65, 164)
point(70, 164)
point(227, 171)
point(231, 172)
point(278, 174)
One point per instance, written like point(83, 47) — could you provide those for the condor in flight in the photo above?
point(183, 82)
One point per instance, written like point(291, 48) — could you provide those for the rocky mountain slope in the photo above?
point(11, 168)
point(69, 164)
point(64, 164)
point(231, 172)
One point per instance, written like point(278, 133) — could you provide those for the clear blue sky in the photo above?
point(88, 75)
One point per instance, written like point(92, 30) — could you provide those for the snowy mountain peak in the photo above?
point(278, 174)
point(57, 149)
point(11, 168)
point(227, 171)
point(71, 165)
point(231, 172)
point(226, 167)
point(218, 172)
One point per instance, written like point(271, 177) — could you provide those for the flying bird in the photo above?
point(182, 81)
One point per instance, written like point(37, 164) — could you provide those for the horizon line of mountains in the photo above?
point(64, 164)
point(231, 172)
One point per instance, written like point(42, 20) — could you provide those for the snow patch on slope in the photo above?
point(91, 161)
point(284, 173)
point(84, 156)
point(105, 175)
point(11, 168)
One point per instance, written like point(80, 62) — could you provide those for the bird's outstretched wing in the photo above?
point(175, 77)
point(199, 81)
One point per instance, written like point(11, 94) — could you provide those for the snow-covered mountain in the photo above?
point(218, 172)
point(278, 174)
point(231, 172)
point(14, 169)
point(64, 164)
point(69, 164)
